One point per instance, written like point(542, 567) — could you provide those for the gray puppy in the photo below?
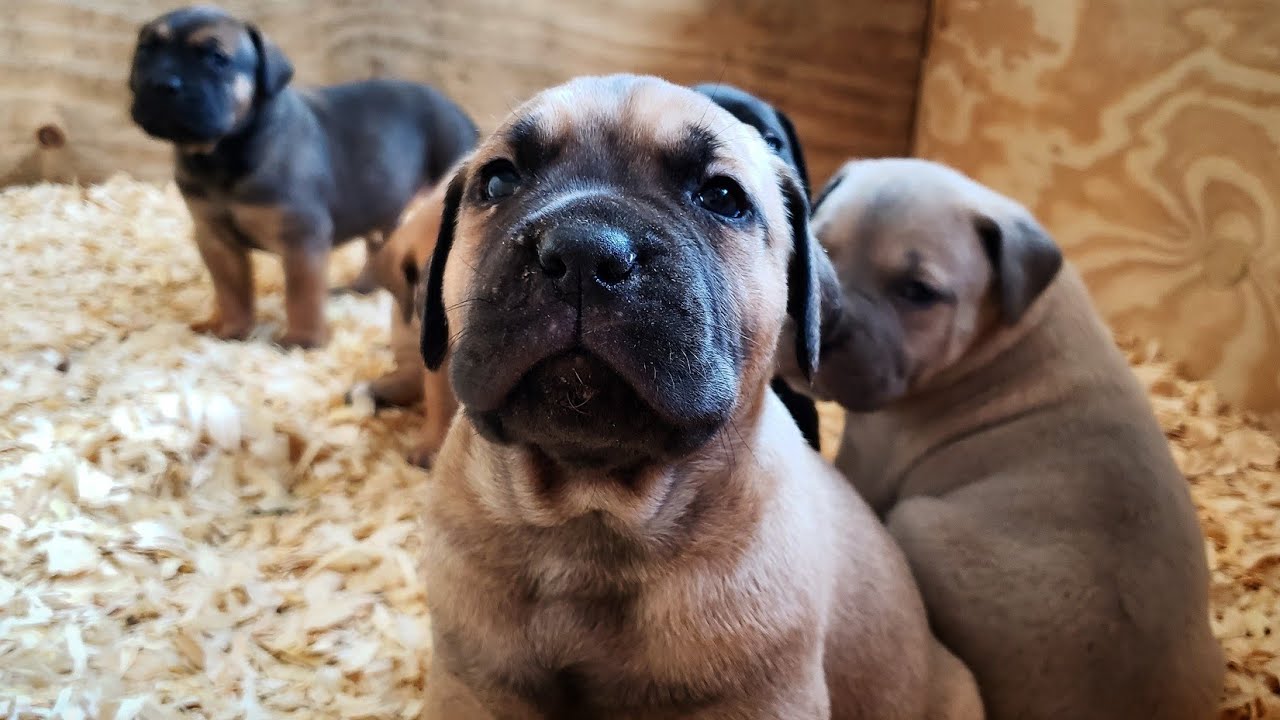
point(1010, 451)
point(262, 166)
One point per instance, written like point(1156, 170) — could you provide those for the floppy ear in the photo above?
point(835, 180)
point(435, 324)
point(802, 279)
point(1025, 260)
point(793, 141)
point(274, 70)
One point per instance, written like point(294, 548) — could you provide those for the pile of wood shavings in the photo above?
point(1233, 464)
point(197, 528)
point(190, 527)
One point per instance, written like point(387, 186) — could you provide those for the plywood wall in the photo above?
point(846, 70)
point(1146, 136)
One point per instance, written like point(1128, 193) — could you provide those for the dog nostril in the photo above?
point(616, 268)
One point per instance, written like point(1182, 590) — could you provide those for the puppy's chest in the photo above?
point(256, 226)
point(580, 657)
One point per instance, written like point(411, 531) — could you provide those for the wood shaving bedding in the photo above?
point(193, 528)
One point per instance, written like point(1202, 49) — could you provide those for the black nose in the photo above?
point(168, 85)
point(581, 252)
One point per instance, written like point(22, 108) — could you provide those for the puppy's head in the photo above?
point(613, 268)
point(198, 74)
point(929, 262)
point(772, 124)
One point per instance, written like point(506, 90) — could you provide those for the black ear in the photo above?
point(825, 192)
point(802, 280)
point(435, 324)
point(1025, 260)
point(797, 154)
point(274, 70)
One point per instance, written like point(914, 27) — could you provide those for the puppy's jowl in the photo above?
point(262, 166)
point(623, 521)
point(1010, 450)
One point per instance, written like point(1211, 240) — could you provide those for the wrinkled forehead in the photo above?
point(628, 119)
point(896, 226)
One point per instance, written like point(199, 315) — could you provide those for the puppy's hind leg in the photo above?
point(367, 280)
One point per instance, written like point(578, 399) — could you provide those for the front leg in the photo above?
point(449, 698)
point(439, 404)
point(232, 274)
point(304, 238)
point(306, 269)
point(805, 698)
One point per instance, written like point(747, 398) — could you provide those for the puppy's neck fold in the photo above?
point(658, 510)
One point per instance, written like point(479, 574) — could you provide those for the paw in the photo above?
point(396, 390)
point(356, 287)
point(422, 455)
point(221, 330)
point(306, 340)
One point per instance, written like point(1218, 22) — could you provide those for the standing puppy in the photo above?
point(1011, 452)
point(264, 167)
point(624, 523)
point(398, 267)
point(780, 135)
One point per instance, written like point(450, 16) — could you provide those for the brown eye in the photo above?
point(917, 294)
point(724, 197)
point(215, 56)
point(499, 179)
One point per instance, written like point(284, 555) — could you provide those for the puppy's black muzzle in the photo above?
point(168, 107)
point(599, 331)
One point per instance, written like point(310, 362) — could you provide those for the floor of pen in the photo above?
point(193, 525)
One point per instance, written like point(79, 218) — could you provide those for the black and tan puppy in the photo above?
point(262, 166)
point(780, 135)
point(1011, 452)
point(624, 522)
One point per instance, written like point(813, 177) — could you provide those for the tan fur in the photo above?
point(746, 580)
point(227, 34)
point(161, 31)
point(1023, 473)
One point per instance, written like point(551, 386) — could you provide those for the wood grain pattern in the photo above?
point(845, 70)
point(1146, 135)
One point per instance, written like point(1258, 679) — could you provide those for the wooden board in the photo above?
point(846, 70)
point(1146, 135)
